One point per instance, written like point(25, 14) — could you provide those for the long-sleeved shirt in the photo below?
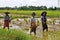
point(6, 17)
point(43, 19)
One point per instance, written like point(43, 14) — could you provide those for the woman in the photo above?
point(33, 24)
point(43, 20)
point(6, 20)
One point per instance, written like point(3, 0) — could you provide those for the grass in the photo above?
point(50, 13)
point(50, 35)
point(20, 35)
point(13, 35)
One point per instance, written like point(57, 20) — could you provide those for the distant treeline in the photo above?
point(29, 8)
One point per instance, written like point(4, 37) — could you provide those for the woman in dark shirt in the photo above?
point(43, 20)
point(6, 20)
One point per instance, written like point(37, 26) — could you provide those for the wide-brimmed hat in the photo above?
point(43, 13)
point(7, 13)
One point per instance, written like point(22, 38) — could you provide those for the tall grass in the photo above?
point(20, 35)
point(13, 35)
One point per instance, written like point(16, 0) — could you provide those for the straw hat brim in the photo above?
point(7, 13)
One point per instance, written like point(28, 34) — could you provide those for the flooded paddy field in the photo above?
point(24, 24)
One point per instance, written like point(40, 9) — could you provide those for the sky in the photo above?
point(12, 3)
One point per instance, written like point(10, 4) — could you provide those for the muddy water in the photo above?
point(23, 23)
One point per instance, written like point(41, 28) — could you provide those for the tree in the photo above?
point(55, 8)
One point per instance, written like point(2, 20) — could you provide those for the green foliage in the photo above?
point(24, 8)
point(0, 24)
point(26, 28)
point(30, 8)
point(50, 13)
point(26, 20)
point(38, 23)
point(13, 35)
point(20, 24)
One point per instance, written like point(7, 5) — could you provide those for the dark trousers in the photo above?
point(45, 27)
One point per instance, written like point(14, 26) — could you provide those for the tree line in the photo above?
point(30, 8)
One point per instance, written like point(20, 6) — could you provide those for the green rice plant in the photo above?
point(53, 21)
point(26, 21)
point(13, 35)
point(16, 34)
point(13, 22)
point(26, 28)
point(0, 24)
point(59, 23)
point(38, 23)
point(17, 19)
point(20, 24)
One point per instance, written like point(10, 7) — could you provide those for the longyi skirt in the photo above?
point(6, 23)
point(33, 27)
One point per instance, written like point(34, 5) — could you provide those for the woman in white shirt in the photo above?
point(33, 24)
